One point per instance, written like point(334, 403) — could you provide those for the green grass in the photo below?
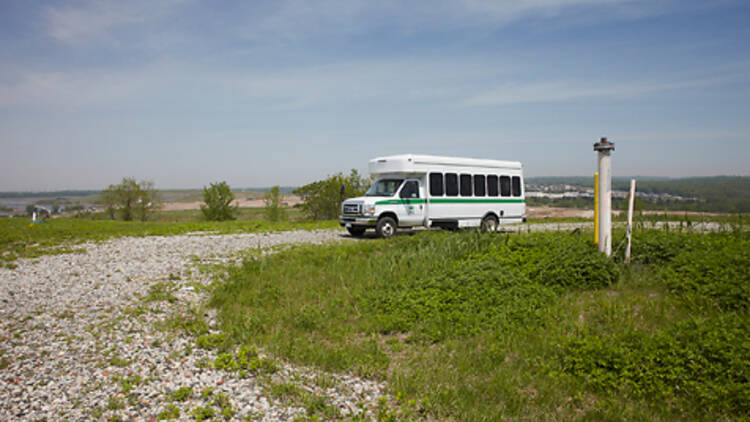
point(19, 238)
point(486, 327)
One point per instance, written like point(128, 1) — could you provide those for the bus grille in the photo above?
point(351, 208)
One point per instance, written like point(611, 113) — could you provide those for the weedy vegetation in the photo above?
point(181, 394)
point(491, 327)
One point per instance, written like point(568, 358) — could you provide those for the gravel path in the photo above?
point(80, 342)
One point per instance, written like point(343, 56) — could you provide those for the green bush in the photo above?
point(703, 363)
point(658, 246)
point(460, 302)
point(211, 341)
point(492, 281)
point(130, 199)
point(218, 199)
point(568, 261)
point(321, 200)
point(718, 270)
point(273, 208)
point(246, 359)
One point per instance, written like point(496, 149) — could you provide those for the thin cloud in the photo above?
point(559, 91)
point(93, 20)
point(295, 19)
point(440, 83)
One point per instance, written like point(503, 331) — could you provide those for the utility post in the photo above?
point(604, 149)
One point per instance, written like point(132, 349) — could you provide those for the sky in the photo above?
point(284, 92)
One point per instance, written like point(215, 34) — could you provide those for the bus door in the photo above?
point(412, 203)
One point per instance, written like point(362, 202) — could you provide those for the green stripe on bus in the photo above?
point(400, 201)
point(450, 201)
point(475, 201)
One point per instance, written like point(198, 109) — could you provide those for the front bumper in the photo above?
point(355, 221)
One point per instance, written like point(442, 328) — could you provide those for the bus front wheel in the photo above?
point(386, 227)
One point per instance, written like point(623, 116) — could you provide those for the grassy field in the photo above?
point(491, 327)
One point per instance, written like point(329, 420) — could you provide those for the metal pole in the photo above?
point(604, 148)
point(630, 220)
point(596, 208)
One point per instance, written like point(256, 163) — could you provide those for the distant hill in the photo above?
point(718, 193)
point(49, 194)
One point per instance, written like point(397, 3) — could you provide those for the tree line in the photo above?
point(321, 200)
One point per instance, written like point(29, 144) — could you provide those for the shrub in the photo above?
point(719, 270)
point(274, 210)
point(488, 281)
point(322, 199)
point(211, 341)
point(658, 246)
point(246, 359)
point(218, 199)
point(130, 199)
point(563, 262)
point(702, 362)
point(460, 302)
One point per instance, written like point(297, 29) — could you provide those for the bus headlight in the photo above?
point(369, 211)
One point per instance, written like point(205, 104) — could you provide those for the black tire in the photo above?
point(356, 231)
point(489, 224)
point(386, 227)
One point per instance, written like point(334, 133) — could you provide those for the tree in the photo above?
point(130, 199)
point(274, 210)
point(218, 199)
point(322, 199)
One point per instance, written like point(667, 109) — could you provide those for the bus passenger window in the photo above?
point(492, 185)
point(466, 185)
point(516, 186)
point(505, 185)
point(451, 184)
point(436, 184)
point(479, 185)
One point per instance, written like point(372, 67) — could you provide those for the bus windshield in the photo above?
point(384, 187)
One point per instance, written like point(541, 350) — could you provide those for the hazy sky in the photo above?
point(261, 93)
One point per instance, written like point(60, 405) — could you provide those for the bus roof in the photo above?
point(414, 163)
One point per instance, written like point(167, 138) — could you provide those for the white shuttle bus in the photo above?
point(430, 191)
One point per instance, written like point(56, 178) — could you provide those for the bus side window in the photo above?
point(410, 190)
point(492, 185)
point(451, 184)
point(466, 189)
point(436, 184)
point(516, 186)
point(479, 185)
point(505, 185)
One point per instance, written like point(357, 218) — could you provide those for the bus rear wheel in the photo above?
point(386, 227)
point(489, 224)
